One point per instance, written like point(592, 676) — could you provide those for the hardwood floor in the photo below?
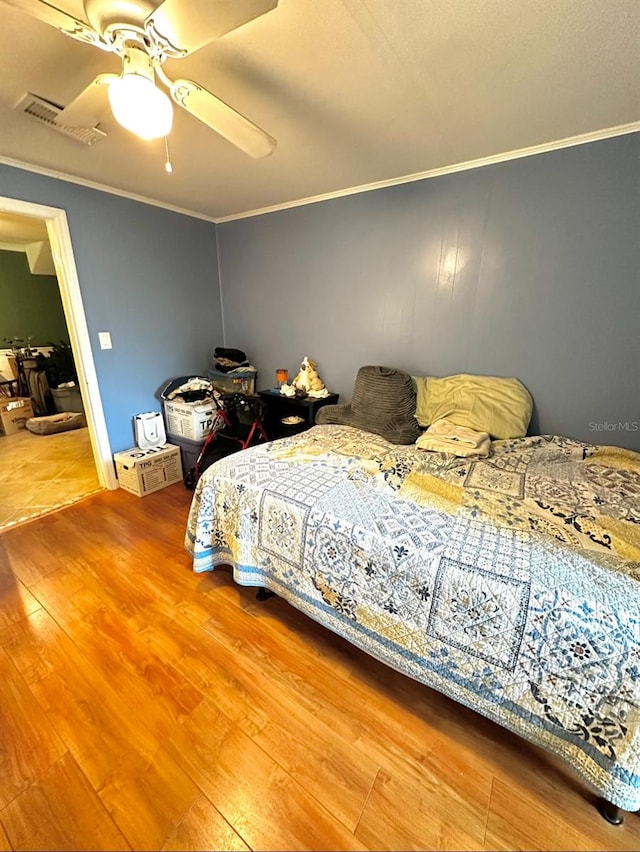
point(145, 707)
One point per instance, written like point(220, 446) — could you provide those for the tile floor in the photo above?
point(40, 473)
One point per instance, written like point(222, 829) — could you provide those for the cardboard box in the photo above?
point(14, 413)
point(192, 420)
point(142, 472)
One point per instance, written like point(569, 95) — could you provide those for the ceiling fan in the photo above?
point(144, 34)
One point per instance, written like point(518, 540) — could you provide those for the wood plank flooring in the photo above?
point(145, 707)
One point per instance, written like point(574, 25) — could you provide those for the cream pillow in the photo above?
point(500, 406)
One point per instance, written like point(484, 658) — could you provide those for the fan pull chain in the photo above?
point(167, 164)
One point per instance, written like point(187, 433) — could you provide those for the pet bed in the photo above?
point(52, 423)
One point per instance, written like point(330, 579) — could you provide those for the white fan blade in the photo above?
point(187, 25)
point(213, 112)
point(67, 24)
point(87, 108)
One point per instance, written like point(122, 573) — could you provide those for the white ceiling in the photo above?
point(27, 234)
point(17, 231)
point(355, 91)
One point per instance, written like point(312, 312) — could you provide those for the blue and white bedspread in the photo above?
point(510, 584)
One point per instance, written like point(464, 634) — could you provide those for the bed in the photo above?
point(510, 584)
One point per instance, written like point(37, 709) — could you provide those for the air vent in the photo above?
point(46, 113)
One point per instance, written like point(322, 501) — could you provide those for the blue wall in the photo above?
point(147, 275)
point(527, 268)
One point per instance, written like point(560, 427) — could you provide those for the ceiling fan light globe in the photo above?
point(139, 106)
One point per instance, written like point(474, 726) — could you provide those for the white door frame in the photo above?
point(67, 274)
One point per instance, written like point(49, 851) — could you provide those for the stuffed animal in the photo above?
point(308, 379)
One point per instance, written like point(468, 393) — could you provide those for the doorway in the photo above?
point(73, 308)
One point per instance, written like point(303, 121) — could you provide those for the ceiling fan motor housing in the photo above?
point(107, 16)
point(135, 60)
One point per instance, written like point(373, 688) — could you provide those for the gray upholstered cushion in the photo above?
point(334, 414)
point(383, 402)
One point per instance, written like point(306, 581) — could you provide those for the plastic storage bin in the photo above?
point(67, 399)
point(189, 451)
point(237, 381)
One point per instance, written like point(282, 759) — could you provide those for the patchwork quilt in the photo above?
point(510, 584)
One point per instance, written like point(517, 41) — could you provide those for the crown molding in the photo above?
point(531, 151)
point(52, 173)
point(569, 142)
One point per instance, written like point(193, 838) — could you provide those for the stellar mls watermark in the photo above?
point(614, 426)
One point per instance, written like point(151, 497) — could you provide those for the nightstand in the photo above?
point(279, 406)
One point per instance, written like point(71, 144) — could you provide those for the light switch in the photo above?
point(105, 339)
